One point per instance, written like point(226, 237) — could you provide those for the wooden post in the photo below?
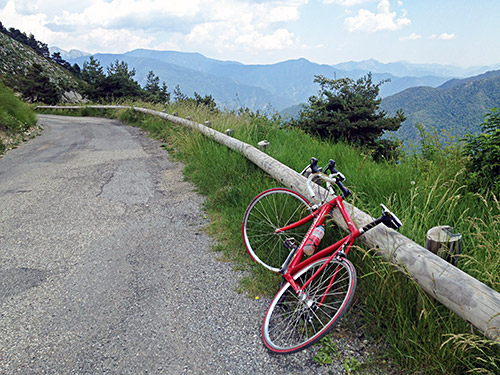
point(443, 242)
point(263, 145)
point(469, 298)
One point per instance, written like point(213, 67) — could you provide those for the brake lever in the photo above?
point(391, 220)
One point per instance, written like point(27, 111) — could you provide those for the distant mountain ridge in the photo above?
point(67, 55)
point(290, 79)
point(457, 106)
point(456, 81)
point(404, 68)
point(276, 86)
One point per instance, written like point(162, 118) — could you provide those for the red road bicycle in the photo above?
point(316, 290)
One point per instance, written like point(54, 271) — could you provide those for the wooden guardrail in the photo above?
point(469, 298)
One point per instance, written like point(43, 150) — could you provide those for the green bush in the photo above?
point(15, 116)
point(483, 152)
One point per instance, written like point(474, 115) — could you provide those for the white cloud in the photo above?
point(125, 39)
point(11, 17)
point(383, 19)
point(28, 19)
point(412, 36)
point(443, 36)
point(281, 14)
point(246, 25)
point(229, 36)
point(346, 3)
point(118, 25)
point(446, 36)
point(279, 39)
point(108, 14)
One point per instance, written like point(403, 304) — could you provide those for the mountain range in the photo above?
point(260, 87)
point(457, 107)
point(435, 95)
point(449, 98)
point(404, 68)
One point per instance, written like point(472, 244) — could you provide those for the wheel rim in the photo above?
point(291, 324)
point(269, 211)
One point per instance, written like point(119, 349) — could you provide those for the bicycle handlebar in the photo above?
point(335, 177)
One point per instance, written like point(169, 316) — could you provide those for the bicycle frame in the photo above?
point(342, 246)
point(316, 290)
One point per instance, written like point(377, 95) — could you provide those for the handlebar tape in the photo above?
point(333, 170)
point(314, 165)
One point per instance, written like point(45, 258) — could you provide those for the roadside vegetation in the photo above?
point(431, 185)
point(16, 118)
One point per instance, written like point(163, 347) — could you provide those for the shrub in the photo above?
point(483, 152)
point(15, 116)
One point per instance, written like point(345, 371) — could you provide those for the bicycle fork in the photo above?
point(301, 290)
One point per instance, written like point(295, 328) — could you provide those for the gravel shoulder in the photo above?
point(105, 266)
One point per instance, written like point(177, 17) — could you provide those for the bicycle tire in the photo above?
point(291, 325)
point(268, 211)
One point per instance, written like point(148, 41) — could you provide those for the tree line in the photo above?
point(118, 82)
point(39, 47)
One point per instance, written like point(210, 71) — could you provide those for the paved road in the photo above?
point(105, 268)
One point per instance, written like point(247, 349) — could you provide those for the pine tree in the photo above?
point(348, 110)
point(36, 86)
point(178, 95)
point(164, 94)
point(93, 74)
point(119, 82)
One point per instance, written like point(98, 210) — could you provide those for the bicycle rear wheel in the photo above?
point(270, 210)
point(292, 323)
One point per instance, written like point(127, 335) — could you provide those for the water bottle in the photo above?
point(313, 241)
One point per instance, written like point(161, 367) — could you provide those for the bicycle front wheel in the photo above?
point(294, 322)
point(272, 209)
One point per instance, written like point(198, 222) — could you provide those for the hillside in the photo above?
point(16, 58)
point(457, 82)
point(458, 106)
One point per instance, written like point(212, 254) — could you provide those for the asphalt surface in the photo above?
point(105, 267)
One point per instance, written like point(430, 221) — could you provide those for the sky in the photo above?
point(456, 32)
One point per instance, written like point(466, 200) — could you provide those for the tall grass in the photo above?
point(423, 336)
point(15, 116)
